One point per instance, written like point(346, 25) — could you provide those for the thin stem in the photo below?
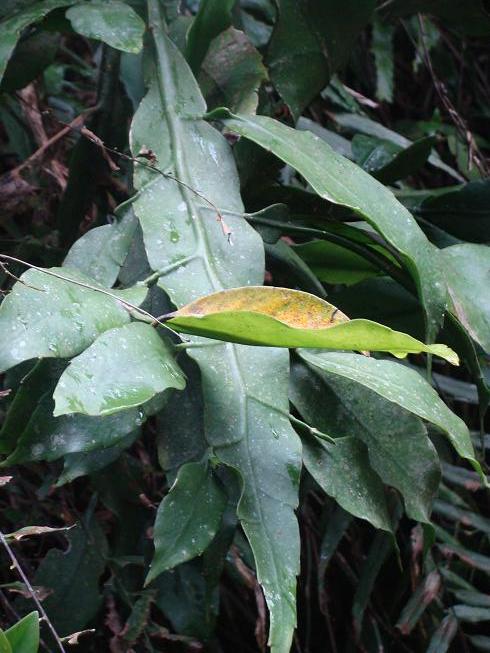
point(311, 429)
point(128, 305)
point(30, 589)
point(375, 258)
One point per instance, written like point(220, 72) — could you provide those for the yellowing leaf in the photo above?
point(280, 317)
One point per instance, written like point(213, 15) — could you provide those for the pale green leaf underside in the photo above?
point(250, 328)
point(111, 21)
point(187, 519)
point(401, 385)
point(123, 368)
point(281, 317)
point(340, 181)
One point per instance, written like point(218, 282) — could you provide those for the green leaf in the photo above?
point(383, 50)
point(47, 438)
point(232, 72)
point(47, 317)
point(124, 368)
point(342, 182)
point(469, 16)
point(185, 601)
point(388, 162)
point(473, 598)
point(444, 634)
point(245, 389)
point(82, 464)
point(280, 317)
point(305, 49)
point(355, 123)
point(31, 56)
point(187, 519)
point(401, 385)
point(379, 550)
point(468, 277)
point(287, 267)
point(12, 26)
point(73, 576)
point(342, 470)
point(340, 144)
point(101, 252)
point(335, 264)
point(471, 614)
point(213, 17)
point(38, 381)
point(180, 424)
point(462, 211)
point(24, 635)
point(4, 643)
point(111, 21)
point(400, 452)
point(480, 642)
point(427, 591)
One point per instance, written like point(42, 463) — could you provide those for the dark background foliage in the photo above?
point(373, 77)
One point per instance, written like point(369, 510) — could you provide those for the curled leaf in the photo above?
point(280, 317)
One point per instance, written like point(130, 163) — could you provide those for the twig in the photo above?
point(46, 145)
point(311, 429)
point(88, 134)
point(474, 153)
point(128, 305)
point(150, 166)
point(25, 580)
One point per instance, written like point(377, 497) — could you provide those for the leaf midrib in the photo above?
point(167, 90)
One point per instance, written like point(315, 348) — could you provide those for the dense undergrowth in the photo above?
point(298, 463)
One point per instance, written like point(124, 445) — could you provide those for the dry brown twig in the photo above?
point(77, 125)
point(474, 153)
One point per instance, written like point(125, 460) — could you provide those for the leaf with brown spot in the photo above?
point(281, 317)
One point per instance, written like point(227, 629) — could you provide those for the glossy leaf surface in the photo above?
point(245, 389)
point(468, 277)
point(124, 368)
point(342, 470)
point(187, 519)
point(401, 385)
point(399, 451)
point(49, 317)
point(340, 181)
point(100, 253)
point(305, 49)
point(111, 21)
